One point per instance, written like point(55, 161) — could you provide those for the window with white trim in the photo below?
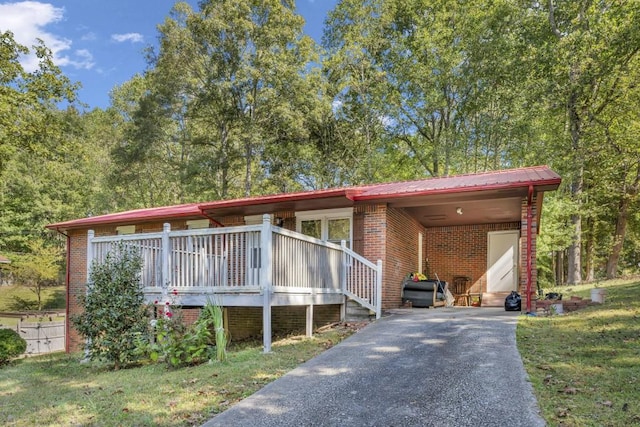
point(331, 225)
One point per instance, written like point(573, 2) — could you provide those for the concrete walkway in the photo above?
point(436, 367)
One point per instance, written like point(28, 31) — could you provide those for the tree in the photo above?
point(225, 88)
point(114, 314)
point(585, 50)
point(39, 268)
point(28, 100)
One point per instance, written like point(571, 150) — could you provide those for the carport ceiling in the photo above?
point(465, 209)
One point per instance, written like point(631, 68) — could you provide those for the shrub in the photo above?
point(11, 345)
point(180, 345)
point(114, 311)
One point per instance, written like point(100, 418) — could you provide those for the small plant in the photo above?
point(114, 312)
point(174, 342)
point(11, 345)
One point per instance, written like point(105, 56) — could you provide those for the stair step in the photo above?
point(356, 312)
point(494, 299)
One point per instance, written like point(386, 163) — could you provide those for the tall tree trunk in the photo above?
point(559, 271)
point(621, 225)
point(574, 253)
point(590, 253)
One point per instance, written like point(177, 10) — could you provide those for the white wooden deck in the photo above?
point(253, 266)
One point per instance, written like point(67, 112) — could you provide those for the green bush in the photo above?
point(114, 312)
point(11, 345)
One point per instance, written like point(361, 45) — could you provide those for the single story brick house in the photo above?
point(291, 261)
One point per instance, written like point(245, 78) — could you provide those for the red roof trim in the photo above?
point(275, 198)
point(139, 215)
point(537, 176)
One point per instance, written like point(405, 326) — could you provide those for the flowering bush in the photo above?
point(175, 343)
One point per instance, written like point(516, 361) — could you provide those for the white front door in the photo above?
point(502, 261)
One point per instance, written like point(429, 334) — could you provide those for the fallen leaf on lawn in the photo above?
point(607, 403)
point(125, 409)
point(547, 379)
point(562, 412)
point(568, 390)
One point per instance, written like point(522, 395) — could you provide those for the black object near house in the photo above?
point(424, 293)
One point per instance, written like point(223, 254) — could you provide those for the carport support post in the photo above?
point(266, 240)
point(529, 246)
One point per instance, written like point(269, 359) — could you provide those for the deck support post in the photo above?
point(310, 320)
point(166, 256)
point(266, 278)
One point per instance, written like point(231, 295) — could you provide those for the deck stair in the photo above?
point(494, 299)
point(356, 313)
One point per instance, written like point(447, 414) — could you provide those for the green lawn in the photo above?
point(585, 365)
point(57, 390)
point(19, 298)
point(16, 298)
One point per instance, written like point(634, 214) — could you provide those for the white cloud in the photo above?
point(90, 36)
point(129, 37)
point(27, 20)
point(82, 59)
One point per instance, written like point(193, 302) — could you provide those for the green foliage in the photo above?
point(11, 345)
point(38, 269)
point(114, 313)
point(177, 344)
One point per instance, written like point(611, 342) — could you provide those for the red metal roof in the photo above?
point(537, 176)
point(191, 210)
point(509, 178)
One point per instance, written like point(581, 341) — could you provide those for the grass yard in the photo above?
point(18, 298)
point(585, 365)
point(12, 298)
point(57, 390)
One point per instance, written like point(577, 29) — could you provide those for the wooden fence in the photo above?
point(44, 335)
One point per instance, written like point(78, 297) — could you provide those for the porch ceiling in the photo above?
point(475, 208)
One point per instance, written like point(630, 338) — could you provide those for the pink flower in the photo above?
point(155, 302)
point(169, 314)
point(167, 303)
point(175, 292)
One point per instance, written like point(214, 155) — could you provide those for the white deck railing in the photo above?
point(257, 258)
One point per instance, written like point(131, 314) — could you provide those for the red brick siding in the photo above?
point(461, 251)
point(524, 256)
point(76, 286)
point(246, 322)
point(401, 255)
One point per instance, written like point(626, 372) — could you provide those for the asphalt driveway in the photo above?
point(436, 367)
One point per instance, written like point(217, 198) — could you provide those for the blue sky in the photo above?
point(99, 43)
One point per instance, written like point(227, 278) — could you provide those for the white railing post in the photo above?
point(90, 235)
point(166, 258)
point(379, 289)
point(266, 277)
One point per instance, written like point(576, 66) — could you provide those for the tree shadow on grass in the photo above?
point(57, 300)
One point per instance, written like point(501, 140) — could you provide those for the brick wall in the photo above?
point(246, 322)
point(461, 251)
point(523, 254)
point(401, 256)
